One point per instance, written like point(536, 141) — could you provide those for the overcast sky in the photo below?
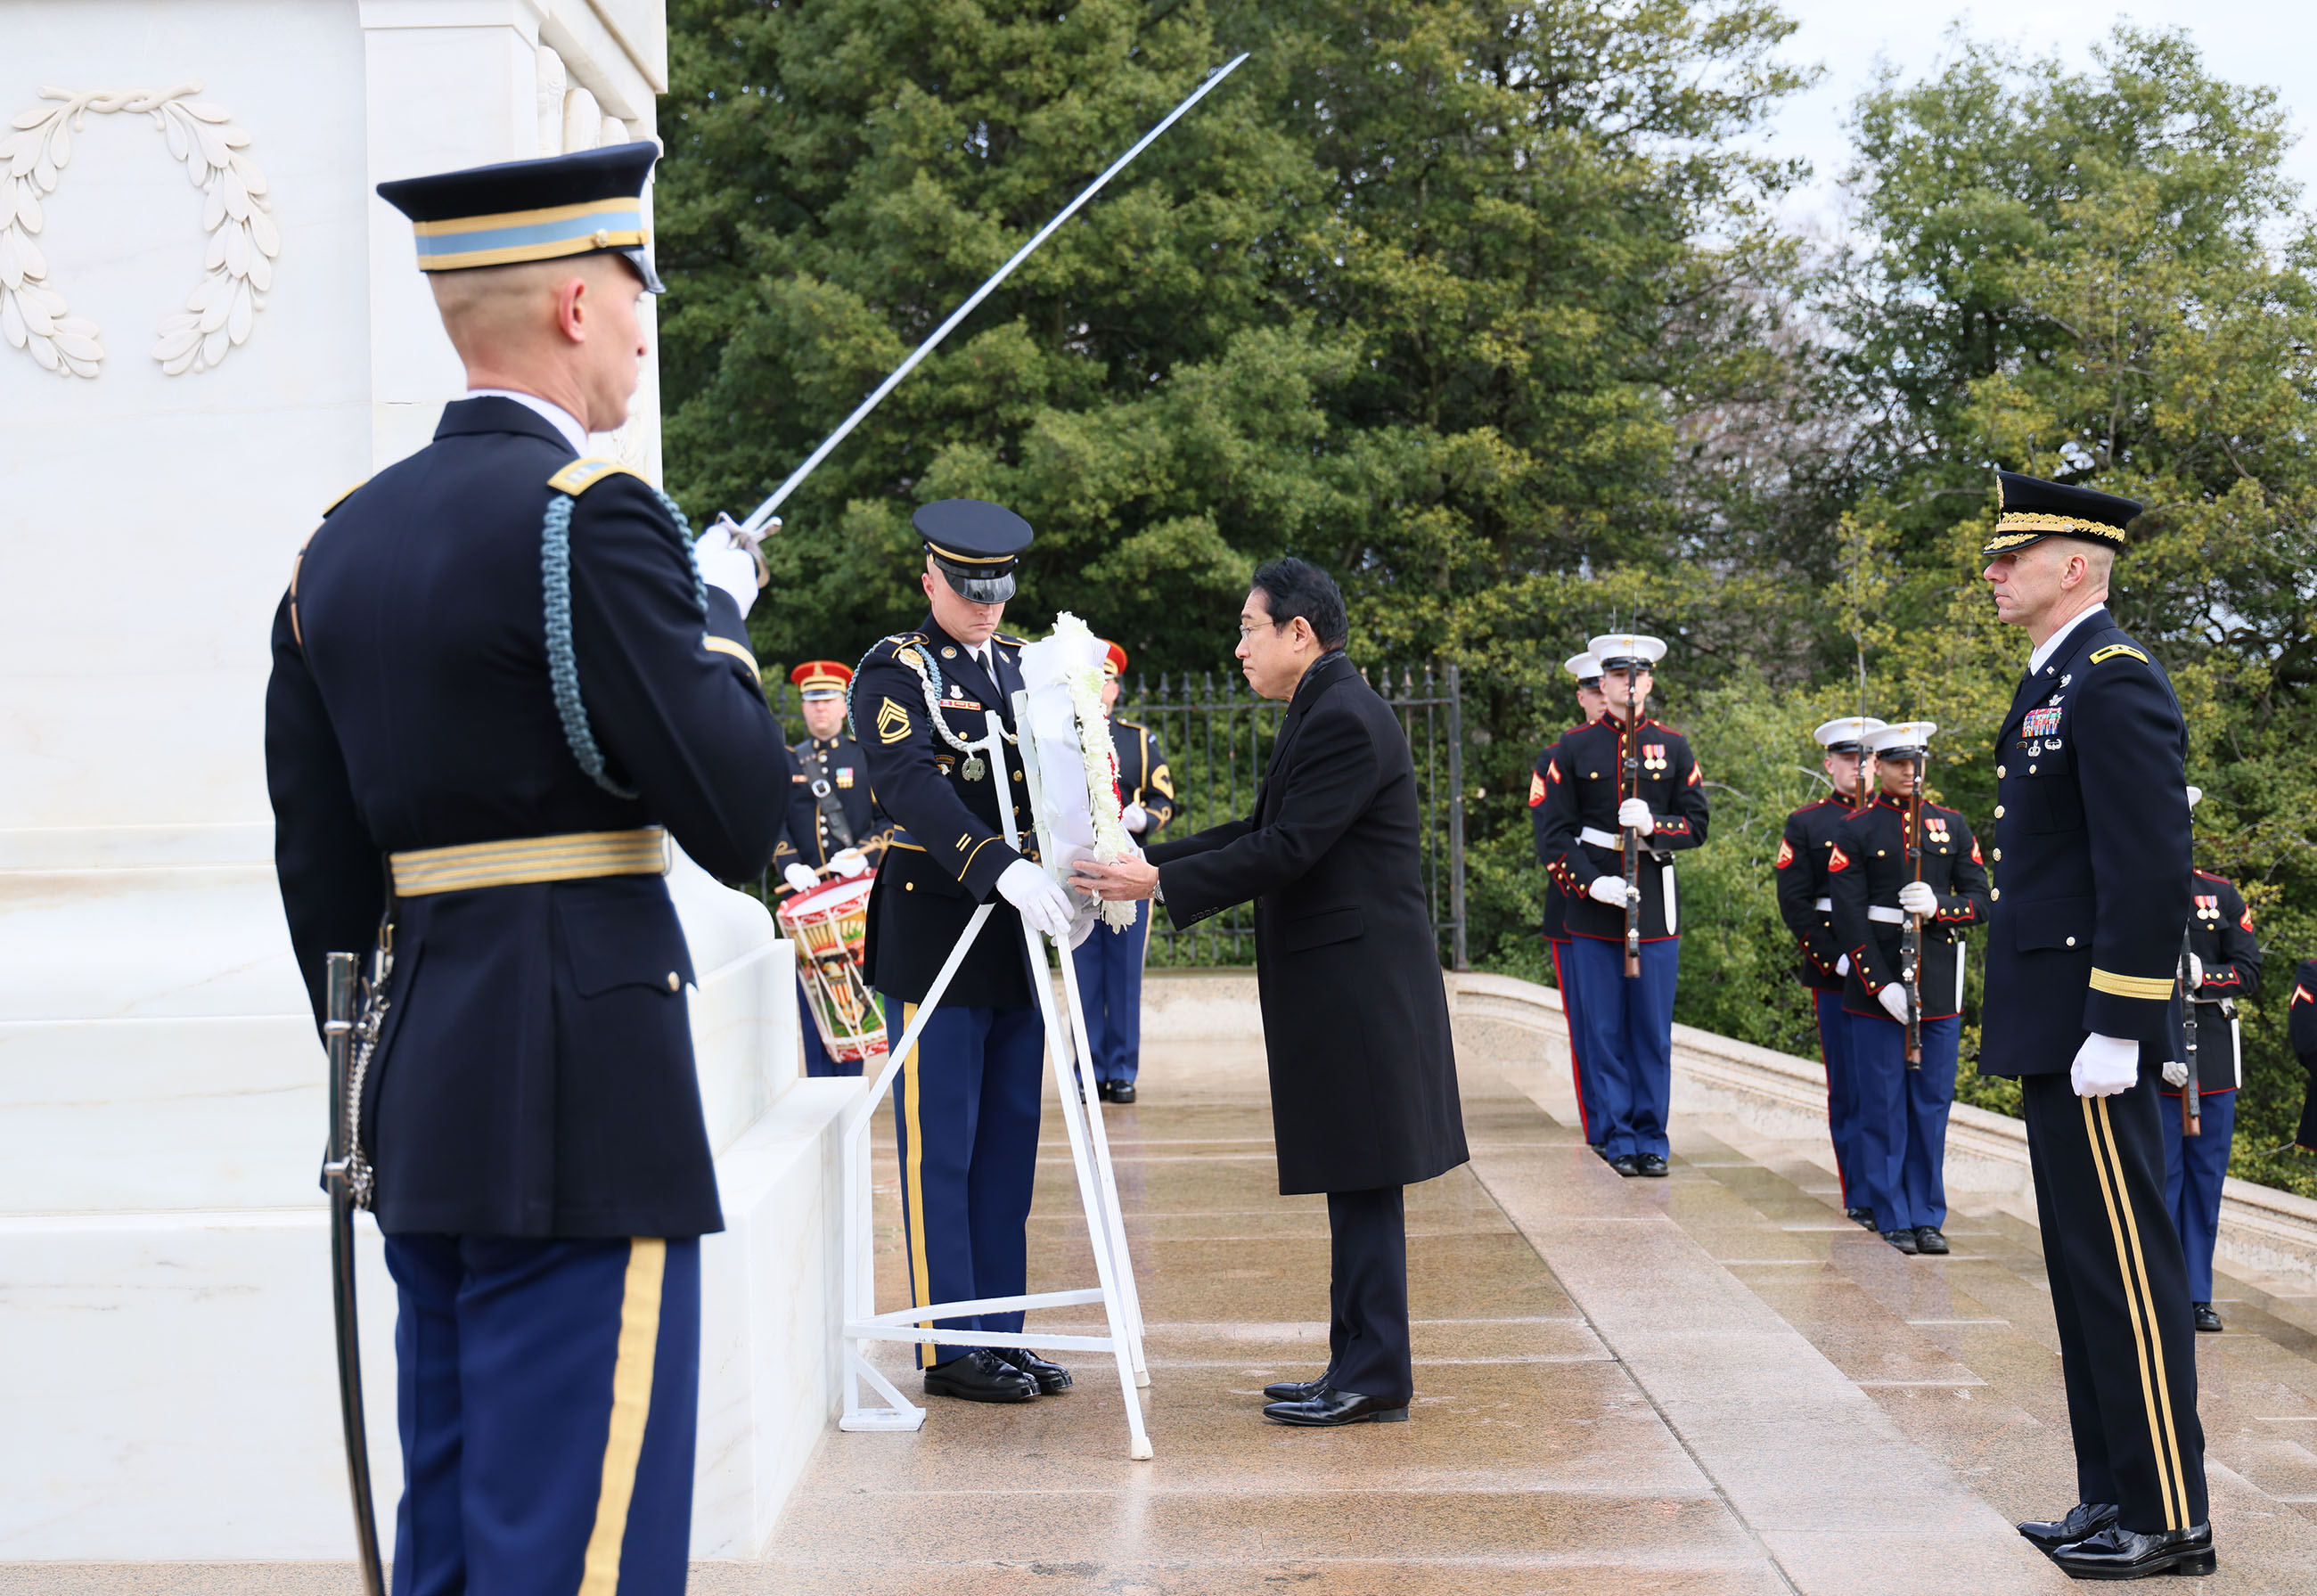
point(2268, 41)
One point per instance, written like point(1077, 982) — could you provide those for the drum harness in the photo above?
point(824, 793)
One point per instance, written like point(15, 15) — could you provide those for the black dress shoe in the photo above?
point(1121, 1091)
point(1904, 1239)
point(1296, 1390)
point(1930, 1239)
point(2086, 1518)
point(2116, 1553)
point(981, 1376)
point(1052, 1379)
point(1598, 1151)
point(2207, 1320)
point(1627, 1164)
point(1328, 1407)
point(1865, 1216)
point(1652, 1164)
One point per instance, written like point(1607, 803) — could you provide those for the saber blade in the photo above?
point(337, 1030)
point(763, 514)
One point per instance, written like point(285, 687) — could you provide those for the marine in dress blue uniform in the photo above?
point(1110, 962)
point(831, 831)
point(1900, 1143)
point(2224, 967)
point(2092, 871)
point(500, 685)
point(1803, 904)
point(1627, 1021)
point(1587, 670)
point(2300, 1028)
point(966, 1102)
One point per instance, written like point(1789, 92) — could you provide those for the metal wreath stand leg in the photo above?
point(1072, 1057)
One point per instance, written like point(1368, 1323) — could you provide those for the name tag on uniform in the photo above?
point(968, 704)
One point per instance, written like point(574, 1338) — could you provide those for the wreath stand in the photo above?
point(1072, 1056)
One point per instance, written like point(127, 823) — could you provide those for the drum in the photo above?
point(827, 925)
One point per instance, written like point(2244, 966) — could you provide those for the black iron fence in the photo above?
point(1217, 738)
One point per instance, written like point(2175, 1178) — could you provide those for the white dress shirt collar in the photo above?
point(554, 414)
point(2050, 645)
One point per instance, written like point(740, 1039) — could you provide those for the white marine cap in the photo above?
point(1846, 735)
point(1616, 648)
point(1905, 740)
point(1583, 666)
point(2193, 794)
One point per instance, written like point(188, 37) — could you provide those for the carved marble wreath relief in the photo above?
point(243, 239)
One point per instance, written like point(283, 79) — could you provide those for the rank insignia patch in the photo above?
point(892, 722)
point(1835, 859)
point(2041, 722)
point(2113, 650)
point(1535, 789)
point(1975, 853)
point(1785, 854)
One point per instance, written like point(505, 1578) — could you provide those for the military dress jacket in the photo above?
point(948, 846)
point(807, 838)
point(535, 1075)
point(2091, 858)
point(1803, 904)
point(1355, 1015)
point(2220, 935)
point(1142, 775)
point(2301, 1029)
point(1866, 868)
point(1556, 902)
point(1577, 823)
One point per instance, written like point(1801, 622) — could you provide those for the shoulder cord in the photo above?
point(562, 662)
point(929, 677)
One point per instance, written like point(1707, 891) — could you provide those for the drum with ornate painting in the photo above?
point(827, 925)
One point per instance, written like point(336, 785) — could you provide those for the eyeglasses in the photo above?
point(1246, 631)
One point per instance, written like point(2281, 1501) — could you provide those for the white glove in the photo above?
point(1609, 889)
point(2176, 1073)
point(1918, 898)
point(1083, 919)
point(723, 566)
point(1046, 907)
point(1893, 999)
point(1842, 966)
point(1137, 819)
point(1635, 812)
point(848, 862)
point(2196, 977)
point(801, 878)
point(2105, 1066)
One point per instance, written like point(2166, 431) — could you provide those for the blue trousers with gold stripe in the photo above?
point(548, 1397)
point(2119, 1300)
point(965, 1113)
point(1110, 985)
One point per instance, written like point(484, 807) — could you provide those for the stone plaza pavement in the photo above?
point(1707, 1383)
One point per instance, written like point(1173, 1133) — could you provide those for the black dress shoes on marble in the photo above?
point(2207, 1320)
point(1328, 1407)
point(1121, 1091)
point(1627, 1164)
point(1295, 1390)
point(2116, 1553)
point(1930, 1239)
point(2086, 1518)
point(1052, 1379)
point(981, 1376)
point(1861, 1216)
point(1904, 1239)
point(1652, 1164)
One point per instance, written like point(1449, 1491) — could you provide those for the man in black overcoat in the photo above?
point(1355, 1015)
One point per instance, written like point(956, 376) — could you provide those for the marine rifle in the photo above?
point(2192, 1105)
point(1633, 842)
point(1911, 940)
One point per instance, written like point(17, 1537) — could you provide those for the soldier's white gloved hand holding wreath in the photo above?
point(1136, 819)
point(1046, 907)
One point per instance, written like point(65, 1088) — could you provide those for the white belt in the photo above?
point(1600, 839)
point(1824, 905)
point(1889, 916)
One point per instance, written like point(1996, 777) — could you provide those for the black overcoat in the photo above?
point(1355, 1014)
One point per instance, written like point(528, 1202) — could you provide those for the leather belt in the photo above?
point(1889, 916)
point(1600, 839)
point(522, 861)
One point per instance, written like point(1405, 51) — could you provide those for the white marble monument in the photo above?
point(209, 327)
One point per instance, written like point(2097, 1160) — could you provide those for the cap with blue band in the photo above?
point(556, 208)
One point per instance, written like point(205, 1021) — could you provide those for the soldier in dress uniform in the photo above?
point(2301, 1029)
point(503, 677)
point(2092, 874)
point(1900, 1144)
point(1804, 905)
point(1110, 962)
point(966, 1103)
point(1627, 1021)
point(1590, 705)
point(831, 833)
point(2221, 964)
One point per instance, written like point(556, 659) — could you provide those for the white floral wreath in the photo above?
point(1104, 804)
point(243, 239)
